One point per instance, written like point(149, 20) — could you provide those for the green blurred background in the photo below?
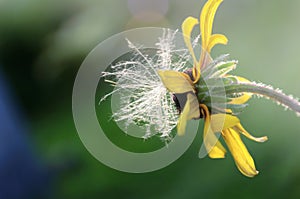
point(42, 45)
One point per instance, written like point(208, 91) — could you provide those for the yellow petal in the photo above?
point(241, 99)
point(242, 157)
point(181, 126)
point(176, 82)
point(206, 21)
point(244, 97)
point(196, 74)
point(220, 122)
point(242, 79)
point(216, 39)
point(190, 111)
point(241, 129)
point(214, 148)
point(187, 27)
point(217, 151)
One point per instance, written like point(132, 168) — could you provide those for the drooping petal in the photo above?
point(223, 121)
point(214, 148)
point(181, 126)
point(176, 82)
point(187, 27)
point(190, 111)
point(242, 157)
point(241, 129)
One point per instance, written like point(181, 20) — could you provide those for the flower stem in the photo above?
point(266, 91)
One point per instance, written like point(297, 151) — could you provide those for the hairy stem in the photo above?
point(266, 91)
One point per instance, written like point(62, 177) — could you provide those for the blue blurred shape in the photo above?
point(22, 175)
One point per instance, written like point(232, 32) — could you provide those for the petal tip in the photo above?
point(220, 156)
point(264, 138)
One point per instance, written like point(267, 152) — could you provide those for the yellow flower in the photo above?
point(230, 129)
point(228, 125)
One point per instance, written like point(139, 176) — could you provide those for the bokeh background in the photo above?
point(42, 45)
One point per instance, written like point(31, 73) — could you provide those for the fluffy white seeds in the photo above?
point(144, 100)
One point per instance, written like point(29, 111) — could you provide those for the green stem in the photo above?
point(266, 91)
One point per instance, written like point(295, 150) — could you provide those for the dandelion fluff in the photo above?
point(144, 100)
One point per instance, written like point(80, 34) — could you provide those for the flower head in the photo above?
point(196, 89)
point(151, 87)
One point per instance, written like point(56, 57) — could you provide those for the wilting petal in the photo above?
point(176, 82)
point(240, 129)
point(187, 27)
point(220, 122)
point(242, 157)
point(214, 148)
point(190, 111)
point(206, 21)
